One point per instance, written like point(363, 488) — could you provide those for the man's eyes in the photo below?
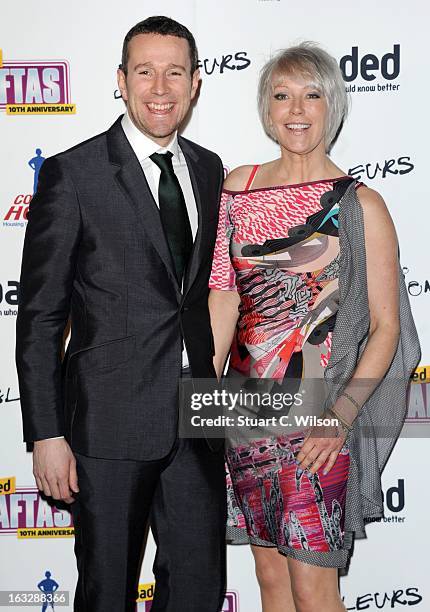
point(170, 73)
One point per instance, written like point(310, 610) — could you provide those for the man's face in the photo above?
point(159, 86)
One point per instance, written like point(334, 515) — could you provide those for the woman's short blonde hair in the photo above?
point(307, 60)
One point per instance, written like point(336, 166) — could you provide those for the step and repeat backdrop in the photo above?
point(58, 86)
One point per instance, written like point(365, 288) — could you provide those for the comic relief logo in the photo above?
point(23, 512)
point(146, 595)
point(35, 87)
point(419, 396)
point(16, 214)
point(9, 291)
point(375, 73)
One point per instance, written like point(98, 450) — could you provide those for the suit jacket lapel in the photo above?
point(198, 181)
point(132, 182)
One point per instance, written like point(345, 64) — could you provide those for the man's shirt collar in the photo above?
point(142, 145)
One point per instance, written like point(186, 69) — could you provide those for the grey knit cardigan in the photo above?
point(380, 420)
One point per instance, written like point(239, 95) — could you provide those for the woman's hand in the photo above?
point(321, 446)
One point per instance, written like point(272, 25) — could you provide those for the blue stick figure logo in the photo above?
point(48, 586)
point(35, 164)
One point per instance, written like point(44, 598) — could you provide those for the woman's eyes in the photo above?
point(312, 96)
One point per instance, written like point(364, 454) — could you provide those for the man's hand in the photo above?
point(54, 468)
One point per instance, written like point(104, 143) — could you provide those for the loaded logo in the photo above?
point(395, 496)
point(35, 87)
point(16, 214)
point(394, 504)
point(419, 396)
point(9, 291)
point(375, 73)
point(23, 512)
point(7, 485)
point(146, 595)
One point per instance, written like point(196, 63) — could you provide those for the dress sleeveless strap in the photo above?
point(252, 176)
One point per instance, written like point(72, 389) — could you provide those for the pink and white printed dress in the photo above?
point(279, 248)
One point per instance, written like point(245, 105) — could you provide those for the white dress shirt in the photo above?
point(143, 148)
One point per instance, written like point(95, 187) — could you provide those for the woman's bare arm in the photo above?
point(382, 270)
point(383, 295)
point(223, 308)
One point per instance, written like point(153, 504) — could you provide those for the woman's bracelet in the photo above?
point(351, 399)
point(344, 425)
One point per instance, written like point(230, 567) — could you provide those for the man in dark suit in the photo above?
point(120, 238)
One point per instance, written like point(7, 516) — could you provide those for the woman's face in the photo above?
point(298, 113)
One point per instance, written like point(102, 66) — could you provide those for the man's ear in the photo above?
point(122, 83)
point(195, 80)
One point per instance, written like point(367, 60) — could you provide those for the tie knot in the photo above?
point(163, 160)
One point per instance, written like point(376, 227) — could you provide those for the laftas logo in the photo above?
point(25, 514)
point(36, 87)
point(373, 73)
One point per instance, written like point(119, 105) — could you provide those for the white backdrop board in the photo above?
point(64, 58)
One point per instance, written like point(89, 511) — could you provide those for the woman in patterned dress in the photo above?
point(273, 302)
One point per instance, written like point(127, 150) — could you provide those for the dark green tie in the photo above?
point(173, 213)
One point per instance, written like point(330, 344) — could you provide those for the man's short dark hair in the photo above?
point(165, 27)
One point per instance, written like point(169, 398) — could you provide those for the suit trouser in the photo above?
point(183, 495)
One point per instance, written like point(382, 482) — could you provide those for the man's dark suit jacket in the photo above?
point(95, 250)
